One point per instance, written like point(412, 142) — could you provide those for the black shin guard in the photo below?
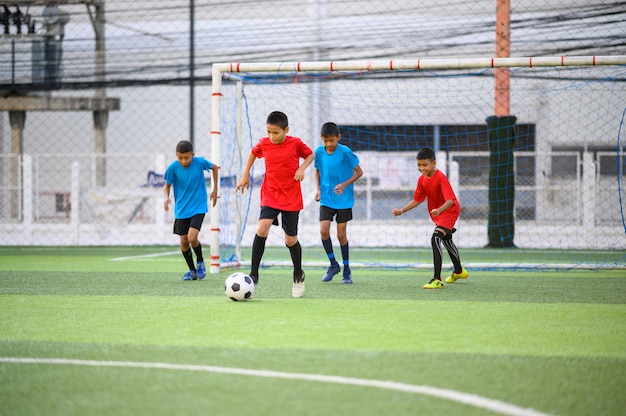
point(435, 242)
point(296, 258)
point(189, 259)
point(258, 248)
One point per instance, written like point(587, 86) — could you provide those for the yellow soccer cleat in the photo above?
point(454, 276)
point(434, 284)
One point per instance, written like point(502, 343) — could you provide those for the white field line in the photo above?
point(492, 405)
point(145, 256)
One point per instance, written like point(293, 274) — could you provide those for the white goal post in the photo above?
point(222, 71)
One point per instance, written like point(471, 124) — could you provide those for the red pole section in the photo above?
point(503, 50)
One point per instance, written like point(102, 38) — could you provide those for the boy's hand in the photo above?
point(244, 182)
point(166, 204)
point(214, 197)
point(317, 196)
point(299, 176)
point(396, 211)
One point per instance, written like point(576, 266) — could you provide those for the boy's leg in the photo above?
point(330, 253)
point(189, 259)
point(295, 251)
point(453, 251)
point(343, 217)
point(181, 228)
point(347, 272)
point(345, 251)
point(326, 216)
point(290, 226)
point(258, 248)
point(334, 267)
point(435, 242)
point(195, 244)
point(201, 269)
point(327, 242)
point(191, 274)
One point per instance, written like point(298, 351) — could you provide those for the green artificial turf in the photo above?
point(553, 341)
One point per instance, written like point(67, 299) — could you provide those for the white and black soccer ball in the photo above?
point(239, 286)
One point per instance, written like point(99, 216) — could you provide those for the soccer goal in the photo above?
point(548, 179)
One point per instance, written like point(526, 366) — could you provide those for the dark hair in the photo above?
point(184, 146)
point(329, 129)
point(277, 118)
point(426, 153)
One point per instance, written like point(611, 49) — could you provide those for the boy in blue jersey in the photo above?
point(337, 168)
point(186, 174)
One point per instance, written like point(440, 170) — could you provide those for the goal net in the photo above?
point(548, 180)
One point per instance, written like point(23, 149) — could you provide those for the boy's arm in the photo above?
point(244, 182)
point(299, 176)
point(166, 196)
point(317, 185)
point(214, 173)
point(441, 209)
point(399, 211)
point(357, 173)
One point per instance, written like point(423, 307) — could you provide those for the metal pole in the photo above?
point(503, 50)
point(191, 72)
point(216, 132)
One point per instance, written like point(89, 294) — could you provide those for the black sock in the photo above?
point(328, 247)
point(454, 255)
point(345, 253)
point(198, 250)
point(258, 248)
point(189, 259)
point(436, 245)
point(296, 259)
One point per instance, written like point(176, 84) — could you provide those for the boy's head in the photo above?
point(330, 136)
point(184, 153)
point(426, 154)
point(426, 163)
point(329, 129)
point(277, 127)
point(184, 146)
point(278, 118)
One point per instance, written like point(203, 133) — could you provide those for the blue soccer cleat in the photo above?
point(332, 271)
point(201, 270)
point(190, 275)
point(347, 276)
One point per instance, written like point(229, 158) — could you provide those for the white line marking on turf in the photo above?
point(145, 256)
point(495, 406)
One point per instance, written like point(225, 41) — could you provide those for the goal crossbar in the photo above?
point(417, 64)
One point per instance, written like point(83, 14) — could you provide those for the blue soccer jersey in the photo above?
point(190, 195)
point(334, 169)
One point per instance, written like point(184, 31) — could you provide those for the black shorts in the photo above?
point(289, 219)
point(182, 225)
point(343, 215)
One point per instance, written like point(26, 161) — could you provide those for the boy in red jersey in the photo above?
point(280, 192)
point(444, 210)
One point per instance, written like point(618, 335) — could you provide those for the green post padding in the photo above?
point(501, 222)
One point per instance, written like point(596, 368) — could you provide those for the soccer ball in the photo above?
point(239, 286)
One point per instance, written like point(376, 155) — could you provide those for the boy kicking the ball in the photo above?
point(444, 210)
point(280, 192)
point(186, 175)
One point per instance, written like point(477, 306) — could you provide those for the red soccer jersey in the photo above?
point(279, 189)
point(438, 190)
